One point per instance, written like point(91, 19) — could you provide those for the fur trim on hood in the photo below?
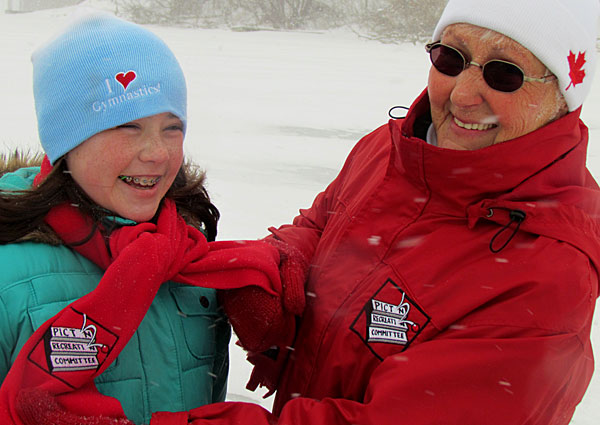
point(17, 159)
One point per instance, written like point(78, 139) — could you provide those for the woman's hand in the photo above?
point(261, 320)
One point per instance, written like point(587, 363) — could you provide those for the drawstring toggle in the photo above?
point(516, 216)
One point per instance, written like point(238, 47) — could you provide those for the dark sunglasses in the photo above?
point(498, 74)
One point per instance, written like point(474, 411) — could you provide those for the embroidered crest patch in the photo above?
point(389, 317)
point(77, 344)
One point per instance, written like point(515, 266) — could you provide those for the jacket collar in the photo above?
point(542, 174)
point(462, 178)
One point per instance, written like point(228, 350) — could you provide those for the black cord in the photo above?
point(397, 117)
point(516, 216)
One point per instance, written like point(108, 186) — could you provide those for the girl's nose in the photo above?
point(154, 150)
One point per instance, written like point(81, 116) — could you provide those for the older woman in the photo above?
point(454, 260)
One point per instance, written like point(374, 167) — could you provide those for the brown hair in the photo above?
point(22, 212)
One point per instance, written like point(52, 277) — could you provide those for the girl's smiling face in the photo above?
point(468, 114)
point(129, 169)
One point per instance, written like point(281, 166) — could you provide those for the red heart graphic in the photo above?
point(125, 78)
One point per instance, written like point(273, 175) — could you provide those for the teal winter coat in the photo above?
point(176, 360)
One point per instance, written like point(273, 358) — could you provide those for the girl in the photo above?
point(108, 280)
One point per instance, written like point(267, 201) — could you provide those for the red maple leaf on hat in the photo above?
point(575, 64)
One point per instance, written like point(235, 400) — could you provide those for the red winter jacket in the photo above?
point(411, 318)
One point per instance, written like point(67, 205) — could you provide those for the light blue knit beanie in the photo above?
point(99, 73)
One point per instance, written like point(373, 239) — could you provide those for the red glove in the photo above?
point(268, 366)
point(261, 320)
point(257, 317)
point(293, 269)
point(38, 407)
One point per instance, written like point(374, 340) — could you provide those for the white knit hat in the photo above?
point(560, 33)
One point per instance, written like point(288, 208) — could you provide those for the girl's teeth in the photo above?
point(140, 181)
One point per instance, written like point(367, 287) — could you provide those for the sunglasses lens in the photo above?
point(503, 76)
point(447, 60)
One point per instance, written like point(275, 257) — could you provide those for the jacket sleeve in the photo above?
point(455, 380)
point(301, 237)
point(5, 350)
point(304, 235)
point(458, 380)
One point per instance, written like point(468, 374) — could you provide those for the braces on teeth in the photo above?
point(137, 180)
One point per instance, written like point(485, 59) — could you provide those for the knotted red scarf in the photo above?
point(137, 261)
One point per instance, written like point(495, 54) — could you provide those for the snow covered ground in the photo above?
point(272, 115)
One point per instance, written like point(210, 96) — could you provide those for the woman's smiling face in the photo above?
point(129, 169)
point(468, 114)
